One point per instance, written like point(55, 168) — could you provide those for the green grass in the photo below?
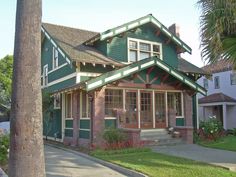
point(159, 165)
point(226, 143)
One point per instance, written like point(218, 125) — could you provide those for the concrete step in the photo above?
point(153, 132)
point(156, 137)
point(164, 142)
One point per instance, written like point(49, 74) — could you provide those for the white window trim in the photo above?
point(45, 68)
point(68, 118)
point(138, 51)
point(87, 105)
point(54, 51)
point(54, 102)
point(182, 103)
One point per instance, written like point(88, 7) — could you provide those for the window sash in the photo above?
point(144, 49)
point(233, 78)
point(68, 109)
point(113, 100)
point(57, 101)
point(174, 101)
point(54, 58)
point(217, 82)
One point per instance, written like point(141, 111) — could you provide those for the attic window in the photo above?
point(141, 49)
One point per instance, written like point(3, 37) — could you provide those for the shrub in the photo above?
point(211, 129)
point(114, 138)
point(4, 146)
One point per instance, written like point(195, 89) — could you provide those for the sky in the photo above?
point(101, 15)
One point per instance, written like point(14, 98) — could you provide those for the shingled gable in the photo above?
point(69, 42)
point(136, 23)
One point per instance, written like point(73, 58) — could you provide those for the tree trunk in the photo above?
point(26, 143)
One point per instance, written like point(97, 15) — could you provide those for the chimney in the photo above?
point(174, 28)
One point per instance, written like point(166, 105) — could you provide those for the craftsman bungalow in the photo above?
point(130, 76)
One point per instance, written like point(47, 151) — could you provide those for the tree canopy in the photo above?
point(6, 67)
point(218, 30)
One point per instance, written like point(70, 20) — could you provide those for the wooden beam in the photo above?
point(164, 78)
point(140, 78)
point(158, 32)
point(154, 79)
point(150, 70)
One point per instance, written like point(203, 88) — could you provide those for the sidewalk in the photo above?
point(60, 163)
point(223, 158)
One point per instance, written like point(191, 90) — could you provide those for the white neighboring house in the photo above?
point(221, 96)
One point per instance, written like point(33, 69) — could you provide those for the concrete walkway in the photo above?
point(60, 163)
point(223, 158)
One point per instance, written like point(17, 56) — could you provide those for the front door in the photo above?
point(160, 110)
point(146, 114)
point(131, 107)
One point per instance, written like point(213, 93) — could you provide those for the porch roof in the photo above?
point(132, 68)
point(215, 98)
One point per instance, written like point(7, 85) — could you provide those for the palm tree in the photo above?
point(218, 29)
point(26, 143)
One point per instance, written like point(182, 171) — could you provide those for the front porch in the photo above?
point(144, 95)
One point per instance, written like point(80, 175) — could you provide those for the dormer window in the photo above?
point(141, 49)
point(54, 58)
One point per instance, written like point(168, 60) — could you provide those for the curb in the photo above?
point(115, 167)
point(2, 173)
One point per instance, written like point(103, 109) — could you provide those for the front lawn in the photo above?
point(225, 143)
point(159, 165)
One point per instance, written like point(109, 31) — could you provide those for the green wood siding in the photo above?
point(85, 124)
point(180, 121)
point(95, 69)
point(110, 123)
point(117, 48)
point(84, 134)
point(69, 123)
point(68, 133)
point(54, 125)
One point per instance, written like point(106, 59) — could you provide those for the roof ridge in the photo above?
point(70, 27)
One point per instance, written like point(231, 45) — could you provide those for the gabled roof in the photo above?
point(136, 23)
point(135, 67)
point(70, 42)
point(216, 97)
point(139, 66)
point(219, 66)
point(186, 67)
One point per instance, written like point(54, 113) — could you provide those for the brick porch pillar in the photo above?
point(75, 115)
point(98, 124)
point(188, 109)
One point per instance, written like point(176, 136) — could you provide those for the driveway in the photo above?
point(218, 157)
point(60, 163)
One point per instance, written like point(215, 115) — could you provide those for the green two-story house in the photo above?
point(130, 77)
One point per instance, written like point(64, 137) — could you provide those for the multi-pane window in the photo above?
point(113, 100)
point(86, 113)
point(174, 101)
point(57, 101)
point(217, 82)
point(140, 49)
point(54, 58)
point(160, 106)
point(69, 105)
point(45, 75)
point(205, 83)
point(233, 78)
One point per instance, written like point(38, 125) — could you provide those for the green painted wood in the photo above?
point(194, 111)
point(69, 123)
point(138, 67)
point(54, 125)
point(68, 133)
point(84, 134)
point(180, 121)
point(95, 69)
point(141, 21)
point(110, 123)
point(85, 124)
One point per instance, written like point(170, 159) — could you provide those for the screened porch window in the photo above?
point(85, 104)
point(141, 49)
point(175, 102)
point(113, 100)
point(68, 105)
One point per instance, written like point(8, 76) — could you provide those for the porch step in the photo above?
point(158, 137)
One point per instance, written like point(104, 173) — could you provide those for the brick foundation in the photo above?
point(186, 132)
point(133, 136)
point(68, 141)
